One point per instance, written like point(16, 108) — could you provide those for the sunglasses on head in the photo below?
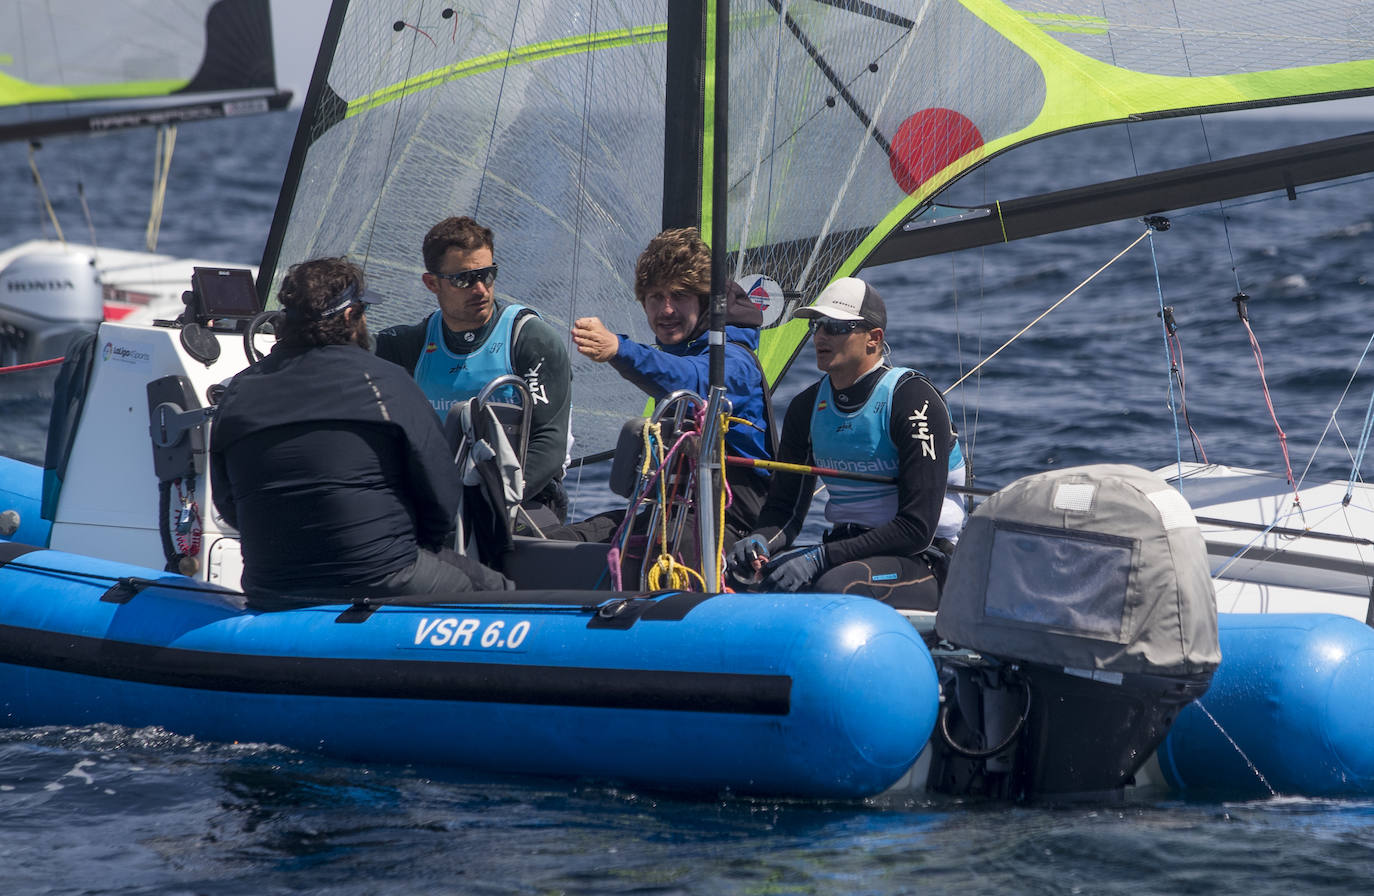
point(836, 327)
point(467, 279)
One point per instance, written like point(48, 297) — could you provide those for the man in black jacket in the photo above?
point(330, 461)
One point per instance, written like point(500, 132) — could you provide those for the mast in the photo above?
point(321, 108)
point(695, 187)
point(710, 471)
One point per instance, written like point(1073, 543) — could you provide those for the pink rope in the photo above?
point(1269, 403)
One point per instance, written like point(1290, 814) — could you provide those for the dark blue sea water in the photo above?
point(110, 810)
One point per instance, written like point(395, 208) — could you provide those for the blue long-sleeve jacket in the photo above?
point(661, 369)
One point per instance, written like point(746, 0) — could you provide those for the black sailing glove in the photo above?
point(742, 557)
point(795, 569)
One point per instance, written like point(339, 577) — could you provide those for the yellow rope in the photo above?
point(666, 573)
point(719, 559)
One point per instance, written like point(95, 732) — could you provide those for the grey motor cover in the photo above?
point(1100, 568)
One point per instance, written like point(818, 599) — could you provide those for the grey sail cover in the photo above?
point(1099, 567)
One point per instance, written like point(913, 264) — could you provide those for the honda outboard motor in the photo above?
point(47, 300)
point(1084, 606)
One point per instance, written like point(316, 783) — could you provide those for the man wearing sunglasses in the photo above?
point(472, 339)
point(890, 539)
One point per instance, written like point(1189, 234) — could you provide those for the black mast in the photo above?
point(322, 110)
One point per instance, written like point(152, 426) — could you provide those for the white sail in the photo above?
point(547, 120)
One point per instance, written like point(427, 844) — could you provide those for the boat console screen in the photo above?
point(224, 293)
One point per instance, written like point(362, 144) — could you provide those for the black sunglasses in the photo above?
point(467, 279)
point(837, 327)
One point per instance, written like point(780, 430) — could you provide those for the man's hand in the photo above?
point(593, 339)
point(795, 569)
point(747, 558)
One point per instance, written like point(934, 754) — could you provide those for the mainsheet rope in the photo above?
point(1243, 312)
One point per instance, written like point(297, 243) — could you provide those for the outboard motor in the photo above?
point(1084, 606)
point(47, 300)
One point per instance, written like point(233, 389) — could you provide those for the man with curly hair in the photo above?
point(673, 284)
point(331, 463)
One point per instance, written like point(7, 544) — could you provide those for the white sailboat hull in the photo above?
point(1312, 555)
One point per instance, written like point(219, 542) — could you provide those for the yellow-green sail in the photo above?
point(546, 120)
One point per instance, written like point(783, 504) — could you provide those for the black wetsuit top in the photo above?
point(333, 467)
point(921, 479)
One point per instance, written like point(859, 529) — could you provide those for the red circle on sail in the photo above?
point(928, 141)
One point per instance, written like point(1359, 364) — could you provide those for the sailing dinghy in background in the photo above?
point(80, 68)
point(807, 140)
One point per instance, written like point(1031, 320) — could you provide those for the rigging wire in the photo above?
point(43, 191)
point(588, 77)
point(1166, 317)
point(496, 111)
point(1046, 312)
point(1358, 459)
point(1240, 297)
point(388, 167)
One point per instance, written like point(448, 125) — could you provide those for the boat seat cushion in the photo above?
point(536, 563)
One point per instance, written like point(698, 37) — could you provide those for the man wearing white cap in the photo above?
point(889, 423)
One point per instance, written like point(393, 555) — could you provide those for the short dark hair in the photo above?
point(454, 233)
point(308, 289)
point(677, 259)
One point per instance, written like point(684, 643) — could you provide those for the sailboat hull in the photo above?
point(810, 696)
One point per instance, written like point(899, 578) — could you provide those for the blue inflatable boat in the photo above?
point(1288, 711)
point(1077, 625)
point(808, 696)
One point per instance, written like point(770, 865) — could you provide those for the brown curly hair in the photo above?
point(677, 260)
point(311, 287)
point(454, 233)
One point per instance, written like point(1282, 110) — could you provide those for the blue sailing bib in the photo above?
point(861, 442)
point(447, 378)
point(857, 443)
